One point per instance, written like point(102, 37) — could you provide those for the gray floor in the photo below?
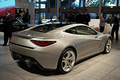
point(100, 67)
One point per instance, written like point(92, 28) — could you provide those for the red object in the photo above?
point(12, 9)
point(43, 43)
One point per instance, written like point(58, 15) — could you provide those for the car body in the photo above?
point(17, 25)
point(58, 45)
point(48, 20)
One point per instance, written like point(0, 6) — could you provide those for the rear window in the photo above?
point(47, 27)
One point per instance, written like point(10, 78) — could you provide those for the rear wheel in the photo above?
point(67, 61)
point(108, 46)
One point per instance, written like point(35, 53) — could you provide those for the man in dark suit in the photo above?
point(86, 16)
point(79, 17)
point(7, 26)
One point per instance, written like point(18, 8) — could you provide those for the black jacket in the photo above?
point(86, 19)
point(116, 26)
point(79, 18)
point(8, 24)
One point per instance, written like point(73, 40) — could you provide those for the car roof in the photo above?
point(69, 26)
point(63, 28)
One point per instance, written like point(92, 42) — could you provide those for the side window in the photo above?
point(81, 30)
point(85, 30)
point(71, 30)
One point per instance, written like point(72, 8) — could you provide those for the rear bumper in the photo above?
point(28, 60)
point(45, 58)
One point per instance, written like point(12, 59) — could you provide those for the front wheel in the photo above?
point(108, 46)
point(67, 61)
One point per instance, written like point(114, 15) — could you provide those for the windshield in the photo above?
point(48, 27)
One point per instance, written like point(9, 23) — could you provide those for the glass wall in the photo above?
point(75, 3)
point(51, 15)
point(30, 1)
point(64, 3)
point(119, 3)
point(53, 4)
point(36, 18)
point(36, 4)
point(93, 15)
point(43, 3)
point(92, 3)
point(81, 3)
point(70, 5)
point(109, 3)
point(42, 15)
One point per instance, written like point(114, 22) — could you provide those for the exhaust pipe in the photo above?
point(29, 63)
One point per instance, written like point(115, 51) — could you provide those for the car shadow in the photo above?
point(87, 58)
point(39, 71)
point(36, 70)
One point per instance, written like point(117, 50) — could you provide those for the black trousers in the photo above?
point(101, 28)
point(7, 35)
point(116, 32)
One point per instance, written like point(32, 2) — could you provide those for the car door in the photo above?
point(91, 40)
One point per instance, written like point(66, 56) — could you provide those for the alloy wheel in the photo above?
point(68, 61)
point(108, 46)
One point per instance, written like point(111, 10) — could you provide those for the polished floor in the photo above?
point(99, 67)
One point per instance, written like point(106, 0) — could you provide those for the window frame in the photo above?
point(75, 31)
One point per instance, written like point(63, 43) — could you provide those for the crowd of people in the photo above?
point(82, 17)
point(23, 16)
point(114, 23)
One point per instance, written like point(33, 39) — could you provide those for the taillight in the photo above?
point(42, 43)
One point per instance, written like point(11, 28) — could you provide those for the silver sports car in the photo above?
point(58, 45)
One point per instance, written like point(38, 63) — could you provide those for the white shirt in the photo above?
point(7, 15)
point(54, 17)
point(102, 21)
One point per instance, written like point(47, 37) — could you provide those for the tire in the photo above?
point(108, 46)
point(66, 61)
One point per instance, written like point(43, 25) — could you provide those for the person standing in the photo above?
point(28, 18)
point(79, 17)
point(102, 22)
point(71, 17)
point(7, 29)
point(112, 20)
point(24, 17)
point(115, 28)
point(55, 17)
point(1, 19)
point(66, 18)
point(86, 17)
point(97, 16)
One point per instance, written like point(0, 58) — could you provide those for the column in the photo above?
point(39, 10)
point(58, 8)
point(48, 10)
point(100, 8)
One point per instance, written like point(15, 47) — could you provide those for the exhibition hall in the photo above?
point(59, 40)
